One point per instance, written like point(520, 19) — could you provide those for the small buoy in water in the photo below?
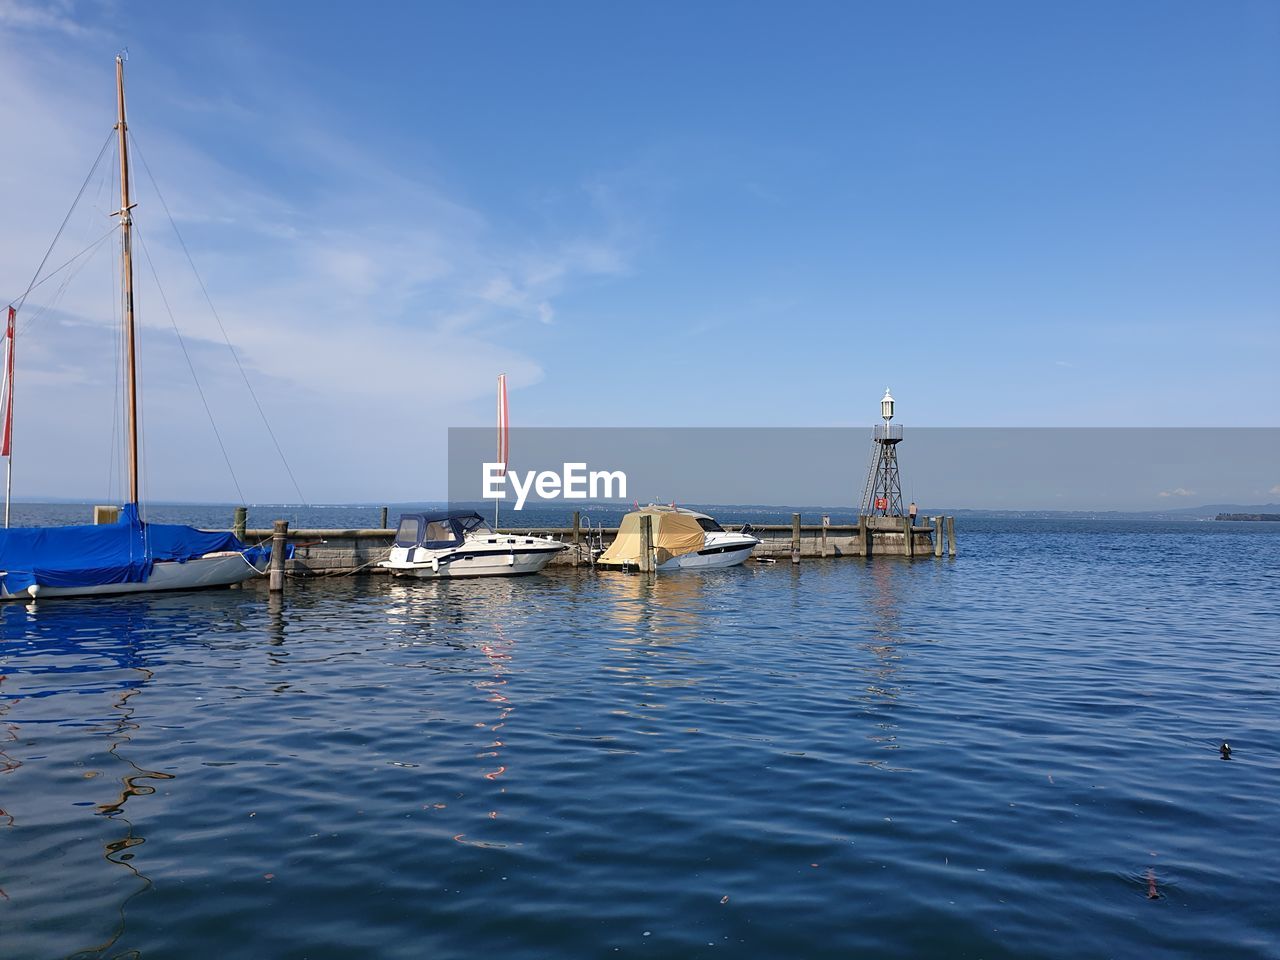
point(1225, 750)
point(34, 590)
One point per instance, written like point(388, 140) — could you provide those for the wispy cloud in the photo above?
point(1177, 492)
point(1275, 489)
point(53, 15)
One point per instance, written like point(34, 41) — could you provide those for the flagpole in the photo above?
point(11, 345)
point(496, 500)
point(502, 438)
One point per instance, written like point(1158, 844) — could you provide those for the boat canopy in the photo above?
point(435, 531)
point(674, 535)
point(90, 555)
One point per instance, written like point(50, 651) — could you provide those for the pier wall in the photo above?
point(337, 552)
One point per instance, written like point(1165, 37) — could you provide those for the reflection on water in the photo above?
point(498, 653)
point(655, 609)
point(887, 600)
point(120, 851)
point(8, 762)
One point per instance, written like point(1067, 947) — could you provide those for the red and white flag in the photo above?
point(503, 425)
point(6, 387)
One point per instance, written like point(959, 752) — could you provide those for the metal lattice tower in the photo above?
point(883, 493)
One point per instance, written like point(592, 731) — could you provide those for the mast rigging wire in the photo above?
point(45, 259)
point(90, 249)
point(214, 310)
point(190, 365)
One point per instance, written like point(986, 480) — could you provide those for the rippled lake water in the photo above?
point(1012, 754)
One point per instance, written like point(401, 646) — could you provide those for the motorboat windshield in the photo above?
point(435, 531)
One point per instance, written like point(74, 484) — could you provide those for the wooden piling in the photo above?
point(795, 538)
point(382, 524)
point(239, 523)
point(279, 539)
point(951, 536)
point(577, 537)
point(908, 538)
point(646, 543)
point(937, 536)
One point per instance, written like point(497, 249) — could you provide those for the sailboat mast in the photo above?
point(126, 247)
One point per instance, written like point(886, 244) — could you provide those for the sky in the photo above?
point(713, 214)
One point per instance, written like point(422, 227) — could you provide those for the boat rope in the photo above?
point(190, 366)
point(17, 305)
point(214, 310)
point(266, 542)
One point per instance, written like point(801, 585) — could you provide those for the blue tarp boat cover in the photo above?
point(122, 552)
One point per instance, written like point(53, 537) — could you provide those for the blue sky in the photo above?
point(663, 214)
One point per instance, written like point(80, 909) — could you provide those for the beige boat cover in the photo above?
point(674, 535)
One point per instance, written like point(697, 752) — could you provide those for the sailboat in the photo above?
point(131, 555)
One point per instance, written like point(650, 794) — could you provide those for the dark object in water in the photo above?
point(1225, 750)
point(1152, 892)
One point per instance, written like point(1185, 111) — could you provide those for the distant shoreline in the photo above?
point(1263, 512)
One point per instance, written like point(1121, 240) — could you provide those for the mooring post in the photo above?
point(382, 524)
point(937, 536)
point(908, 539)
point(646, 543)
point(279, 536)
point(826, 522)
point(240, 522)
point(795, 538)
point(951, 536)
point(577, 537)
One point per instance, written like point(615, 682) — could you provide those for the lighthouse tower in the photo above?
point(882, 495)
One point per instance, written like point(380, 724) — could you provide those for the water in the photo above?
point(997, 756)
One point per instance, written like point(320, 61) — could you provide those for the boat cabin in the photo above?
point(437, 531)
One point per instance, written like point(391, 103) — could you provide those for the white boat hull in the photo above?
point(214, 570)
point(472, 561)
point(720, 552)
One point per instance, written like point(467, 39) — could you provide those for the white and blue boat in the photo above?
point(459, 543)
point(129, 556)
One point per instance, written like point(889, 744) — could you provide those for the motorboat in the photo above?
point(461, 544)
point(683, 539)
point(721, 547)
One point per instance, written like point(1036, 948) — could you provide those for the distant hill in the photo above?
point(1213, 509)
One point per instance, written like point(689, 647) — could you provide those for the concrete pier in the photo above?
point(319, 553)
